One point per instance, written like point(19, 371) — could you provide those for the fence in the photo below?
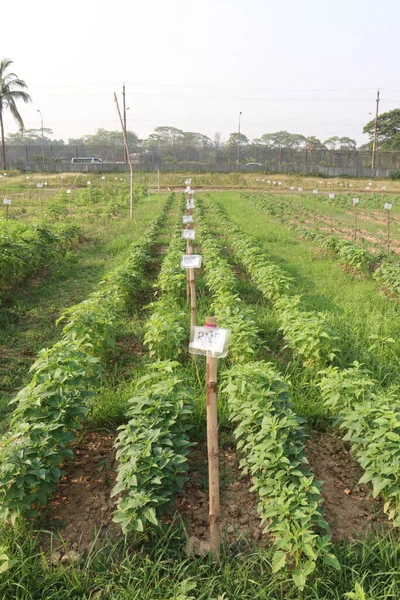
point(178, 157)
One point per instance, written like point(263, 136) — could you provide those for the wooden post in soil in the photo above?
point(192, 287)
point(355, 202)
point(158, 180)
point(331, 214)
point(212, 447)
point(388, 230)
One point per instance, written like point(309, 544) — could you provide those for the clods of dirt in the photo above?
point(82, 508)
point(238, 514)
point(348, 506)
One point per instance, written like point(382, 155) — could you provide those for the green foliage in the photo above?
point(152, 447)
point(24, 249)
point(388, 130)
point(51, 408)
point(271, 440)
point(388, 277)
point(371, 420)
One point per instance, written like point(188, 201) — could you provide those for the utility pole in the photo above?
point(375, 131)
point(41, 119)
point(238, 145)
point(124, 111)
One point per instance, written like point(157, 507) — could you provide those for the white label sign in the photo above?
point(188, 190)
point(315, 191)
point(292, 187)
point(187, 219)
point(209, 341)
point(300, 189)
point(188, 234)
point(6, 201)
point(355, 201)
point(387, 206)
point(68, 191)
point(279, 182)
point(384, 187)
point(331, 196)
point(188, 181)
point(190, 204)
point(39, 185)
point(191, 261)
point(274, 183)
point(350, 185)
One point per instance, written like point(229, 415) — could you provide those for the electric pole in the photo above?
point(238, 144)
point(124, 112)
point(375, 131)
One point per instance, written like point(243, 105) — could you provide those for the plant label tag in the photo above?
point(187, 219)
point(191, 261)
point(387, 206)
point(350, 185)
point(188, 190)
point(274, 183)
point(315, 191)
point(384, 187)
point(299, 189)
point(190, 204)
point(279, 182)
point(188, 234)
point(188, 181)
point(68, 191)
point(355, 201)
point(269, 181)
point(331, 196)
point(39, 185)
point(210, 341)
point(6, 201)
point(292, 187)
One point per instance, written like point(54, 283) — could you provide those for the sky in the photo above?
point(306, 66)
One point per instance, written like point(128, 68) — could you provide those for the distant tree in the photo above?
point(332, 142)
point(32, 137)
point(165, 135)
point(114, 139)
point(237, 139)
point(217, 140)
point(282, 139)
point(346, 143)
point(388, 130)
point(11, 90)
point(313, 144)
point(197, 140)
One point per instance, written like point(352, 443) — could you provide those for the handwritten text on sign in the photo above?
point(190, 204)
point(209, 341)
point(187, 219)
point(191, 261)
point(188, 234)
point(6, 201)
point(387, 206)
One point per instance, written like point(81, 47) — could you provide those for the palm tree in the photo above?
point(11, 90)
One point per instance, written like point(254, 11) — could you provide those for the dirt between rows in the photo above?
point(81, 511)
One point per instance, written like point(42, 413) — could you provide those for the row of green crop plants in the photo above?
point(25, 249)
point(50, 410)
point(385, 271)
point(368, 414)
point(107, 200)
point(270, 436)
point(152, 446)
point(342, 199)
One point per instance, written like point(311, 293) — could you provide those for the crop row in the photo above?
point(50, 409)
point(371, 419)
point(24, 249)
point(350, 254)
point(153, 445)
point(270, 435)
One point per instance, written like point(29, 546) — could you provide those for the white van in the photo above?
point(86, 160)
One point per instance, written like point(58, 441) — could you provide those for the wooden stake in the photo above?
point(6, 211)
point(388, 230)
point(212, 447)
point(41, 204)
point(188, 248)
point(192, 285)
point(331, 215)
point(158, 180)
point(355, 222)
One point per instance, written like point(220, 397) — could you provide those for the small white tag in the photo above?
point(300, 189)
point(279, 182)
point(387, 206)
point(384, 187)
point(209, 341)
point(315, 191)
point(188, 234)
point(188, 190)
point(355, 201)
point(331, 196)
point(88, 182)
point(269, 181)
point(39, 185)
point(274, 183)
point(340, 184)
point(68, 191)
point(350, 185)
point(292, 187)
point(190, 204)
point(6, 201)
point(188, 181)
point(187, 218)
point(191, 261)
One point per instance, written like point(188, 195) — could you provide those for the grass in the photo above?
point(29, 314)
point(155, 566)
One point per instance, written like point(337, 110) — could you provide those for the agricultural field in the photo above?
point(104, 489)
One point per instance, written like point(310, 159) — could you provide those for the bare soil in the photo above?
point(348, 507)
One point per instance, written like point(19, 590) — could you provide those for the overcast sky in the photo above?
point(306, 66)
